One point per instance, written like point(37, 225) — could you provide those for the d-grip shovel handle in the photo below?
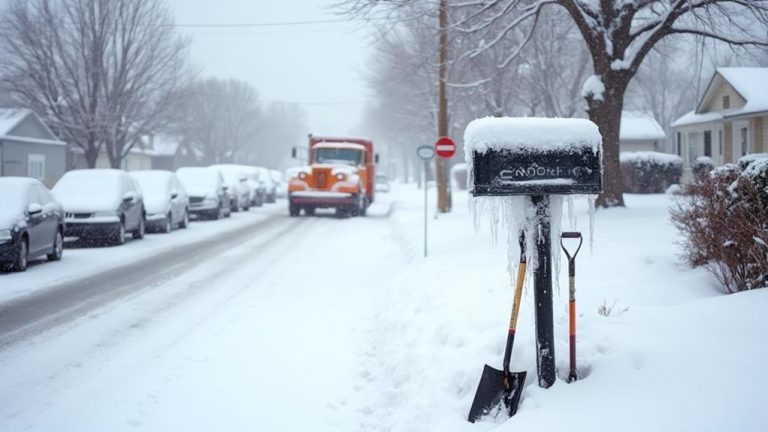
point(515, 309)
point(571, 258)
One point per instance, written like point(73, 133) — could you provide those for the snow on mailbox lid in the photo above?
point(533, 156)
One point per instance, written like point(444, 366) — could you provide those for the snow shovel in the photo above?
point(572, 376)
point(499, 387)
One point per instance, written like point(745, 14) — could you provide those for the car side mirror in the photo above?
point(129, 197)
point(226, 188)
point(376, 158)
point(174, 195)
point(293, 152)
point(34, 209)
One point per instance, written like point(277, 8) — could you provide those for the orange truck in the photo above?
point(340, 175)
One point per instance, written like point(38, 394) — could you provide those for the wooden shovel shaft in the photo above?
point(515, 310)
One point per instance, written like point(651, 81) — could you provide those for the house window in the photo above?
point(679, 144)
point(36, 166)
point(694, 147)
point(726, 102)
point(708, 143)
point(743, 141)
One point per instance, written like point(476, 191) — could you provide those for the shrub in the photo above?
point(724, 222)
point(702, 166)
point(650, 172)
point(748, 159)
point(459, 175)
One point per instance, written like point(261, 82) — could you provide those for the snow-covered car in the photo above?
point(281, 189)
point(165, 199)
point(265, 178)
point(382, 183)
point(31, 223)
point(207, 192)
point(237, 182)
point(102, 204)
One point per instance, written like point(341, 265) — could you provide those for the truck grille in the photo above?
point(322, 179)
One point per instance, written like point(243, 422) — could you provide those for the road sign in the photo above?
point(445, 147)
point(425, 152)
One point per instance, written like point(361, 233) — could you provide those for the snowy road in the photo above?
point(258, 323)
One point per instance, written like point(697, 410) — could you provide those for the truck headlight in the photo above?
point(5, 235)
point(341, 177)
point(302, 175)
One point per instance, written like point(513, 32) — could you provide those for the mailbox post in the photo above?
point(537, 157)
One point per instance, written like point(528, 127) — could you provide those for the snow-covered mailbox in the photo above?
point(537, 157)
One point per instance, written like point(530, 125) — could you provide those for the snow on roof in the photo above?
point(165, 145)
point(692, 117)
point(11, 117)
point(530, 133)
point(640, 126)
point(750, 82)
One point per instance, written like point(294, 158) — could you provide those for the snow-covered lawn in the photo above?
point(342, 325)
point(674, 355)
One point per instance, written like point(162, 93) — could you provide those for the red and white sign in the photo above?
point(445, 147)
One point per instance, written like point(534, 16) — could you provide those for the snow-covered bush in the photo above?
point(703, 166)
point(724, 221)
point(650, 172)
point(744, 161)
point(459, 175)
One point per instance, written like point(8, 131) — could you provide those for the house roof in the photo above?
point(10, 118)
point(748, 82)
point(640, 126)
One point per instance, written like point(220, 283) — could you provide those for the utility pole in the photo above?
point(443, 195)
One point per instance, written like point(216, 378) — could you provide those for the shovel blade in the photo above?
point(491, 396)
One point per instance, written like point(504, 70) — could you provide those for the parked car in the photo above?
point(237, 183)
point(270, 193)
point(258, 192)
point(102, 204)
point(207, 192)
point(382, 183)
point(281, 189)
point(31, 223)
point(165, 200)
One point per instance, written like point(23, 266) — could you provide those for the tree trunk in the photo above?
point(91, 155)
point(606, 114)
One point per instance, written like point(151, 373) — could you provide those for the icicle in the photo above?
point(556, 217)
point(591, 201)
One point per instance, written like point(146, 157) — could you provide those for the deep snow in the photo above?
point(331, 324)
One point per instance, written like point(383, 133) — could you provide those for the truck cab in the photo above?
point(340, 175)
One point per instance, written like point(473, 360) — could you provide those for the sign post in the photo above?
point(537, 157)
point(425, 153)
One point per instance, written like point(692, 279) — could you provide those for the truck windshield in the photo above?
point(338, 156)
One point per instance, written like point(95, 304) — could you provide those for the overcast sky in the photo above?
point(319, 65)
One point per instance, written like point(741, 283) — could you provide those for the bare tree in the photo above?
point(222, 119)
point(619, 35)
point(101, 72)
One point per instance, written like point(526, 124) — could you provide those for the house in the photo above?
point(165, 150)
point(730, 120)
point(29, 148)
point(641, 132)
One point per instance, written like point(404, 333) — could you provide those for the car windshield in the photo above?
point(89, 188)
point(338, 156)
point(155, 187)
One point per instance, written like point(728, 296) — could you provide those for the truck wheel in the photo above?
point(293, 210)
point(364, 208)
point(309, 211)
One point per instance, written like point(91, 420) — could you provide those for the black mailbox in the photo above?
point(534, 156)
point(561, 172)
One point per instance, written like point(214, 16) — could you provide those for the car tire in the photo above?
point(22, 259)
point(119, 237)
point(58, 247)
point(168, 224)
point(184, 220)
point(138, 234)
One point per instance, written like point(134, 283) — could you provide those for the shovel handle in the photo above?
point(515, 308)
